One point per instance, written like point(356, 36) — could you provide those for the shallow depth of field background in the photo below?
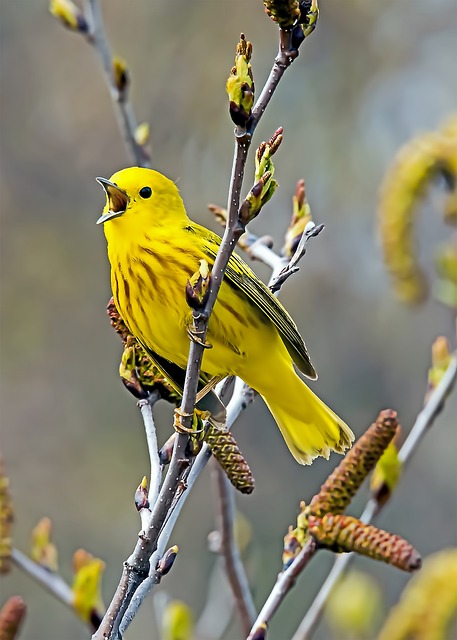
point(373, 75)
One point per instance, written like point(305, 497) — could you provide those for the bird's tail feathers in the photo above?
point(309, 427)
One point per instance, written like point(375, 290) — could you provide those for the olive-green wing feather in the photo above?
point(239, 275)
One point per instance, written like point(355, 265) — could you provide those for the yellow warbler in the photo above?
point(154, 248)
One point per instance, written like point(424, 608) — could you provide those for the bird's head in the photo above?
point(139, 198)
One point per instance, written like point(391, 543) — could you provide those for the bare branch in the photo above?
point(259, 250)
point(151, 438)
point(286, 55)
point(52, 582)
point(284, 583)
point(158, 571)
point(124, 112)
point(311, 231)
point(229, 550)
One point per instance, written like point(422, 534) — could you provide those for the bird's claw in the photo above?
point(178, 425)
point(195, 337)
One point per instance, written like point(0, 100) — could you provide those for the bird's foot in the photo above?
point(195, 337)
point(178, 425)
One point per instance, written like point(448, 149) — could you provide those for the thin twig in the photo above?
point(52, 582)
point(124, 112)
point(137, 566)
point(145, 587)
point(311, 231)
point(260, 251)
point(284, 583)
point(231, 554)
point(155, 577)
point(151, 438)
point(423, 422)
point(286, 55)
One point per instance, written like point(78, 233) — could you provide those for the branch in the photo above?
point(241, 398)
point(423, 422)
point(301, 229)
point(284, 583)
point(286, 55)
point(52, 582)
point(151, 438)
point(229, 550)
point(96, 36)
point(311, 231)
point(258, 249)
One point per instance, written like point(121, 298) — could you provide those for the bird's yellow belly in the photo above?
point(152, 313)
point(156, 312)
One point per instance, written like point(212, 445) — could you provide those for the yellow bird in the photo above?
point(154, 248)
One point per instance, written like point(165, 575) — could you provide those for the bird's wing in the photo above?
point(240, 276)
point(175, 376)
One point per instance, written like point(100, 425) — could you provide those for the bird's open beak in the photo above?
point(118, 200)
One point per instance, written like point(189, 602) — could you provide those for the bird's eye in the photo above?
point(146, 192)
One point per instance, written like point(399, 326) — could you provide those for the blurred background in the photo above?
point(372, 76)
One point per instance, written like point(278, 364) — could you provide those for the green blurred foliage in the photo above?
point(372, 76)
point(353, 607)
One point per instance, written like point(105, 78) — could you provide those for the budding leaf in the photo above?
point(86, 588)
point(197, 288)
point(177, 622)
point(240, 84)
point(386, 474)
point(69, 14)
point(44, 552)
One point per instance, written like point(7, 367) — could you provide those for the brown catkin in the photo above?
point(343, 483)
point(342, 534)
point(227, 453)
point(12, 615)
